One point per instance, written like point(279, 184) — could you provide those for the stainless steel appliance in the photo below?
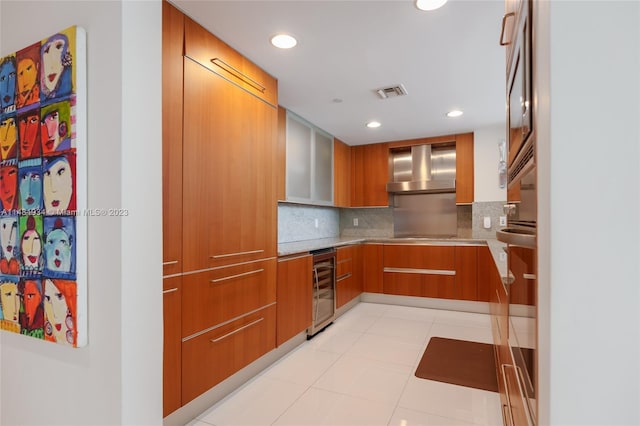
point(521, 231)
point(423, 185)
point(323, 282)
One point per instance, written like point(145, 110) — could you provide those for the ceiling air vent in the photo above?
point(390, 92)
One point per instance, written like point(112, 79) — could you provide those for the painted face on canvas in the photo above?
point(31, 299)
point(51, 132)
point(57, 248)
point(9, 300)
point(28, 126)
point(53, 52)
point(7, 82)
point(56, 310)
point(8, 236)
point(8, 137)
point(30, 189)
point(8, 186)
point(27, 75)
point(57, 186)
point(31, 248)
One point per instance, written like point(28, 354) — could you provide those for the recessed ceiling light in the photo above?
point(283, 41)
point(430, 4)
point(454, 113)
point(373, 124)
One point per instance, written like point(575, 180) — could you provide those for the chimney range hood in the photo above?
point(423, 169)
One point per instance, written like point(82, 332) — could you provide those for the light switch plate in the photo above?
point(487, 222)
point(503, 221)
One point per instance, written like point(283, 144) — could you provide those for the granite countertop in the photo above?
point(497, 248)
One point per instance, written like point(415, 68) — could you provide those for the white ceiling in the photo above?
point(448, 58)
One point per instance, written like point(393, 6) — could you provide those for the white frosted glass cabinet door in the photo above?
point(309, 163)
point(322, 192)
point(298, 160)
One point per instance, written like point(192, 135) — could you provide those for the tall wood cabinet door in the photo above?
point(172, 348)
point(372, 268)
point(281, 167)
point(172, 44)
point(294, 297)
point(464, 169)
point(229, 180)
point(342, 174)
point(369, 175)
point(467, 273)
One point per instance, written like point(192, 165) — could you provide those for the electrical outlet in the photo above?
point(503, 221)
point(317, 223)
point(355, 221)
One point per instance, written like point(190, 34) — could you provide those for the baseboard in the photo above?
point(427, 302)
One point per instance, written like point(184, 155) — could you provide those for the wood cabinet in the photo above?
point(211, 357)
point(218, 295)
point(417, 270)
point(172, 344)
point(220, 205)
point(369, 175)
point(464, 169)
point(172, 45)
point(229, 138)
point(372, 268)
point(293, 310)
point(348, 274)
point(466, 258)
point(341, 174)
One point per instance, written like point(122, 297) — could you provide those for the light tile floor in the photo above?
point(360, 371)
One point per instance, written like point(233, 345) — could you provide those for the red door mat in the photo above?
point(459, 362)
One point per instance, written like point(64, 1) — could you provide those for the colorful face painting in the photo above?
point(60, 311)
point(7, 84)
point(8, 186)
point(9, 303)
point(56, 63)
point(29, 134)
point(30, 245)
point(8, 137)
point(58, 184)
point(8, 240)
point(59, 250)
point(43, 244)
point(55, 128)
point(32, 310)
point(30, 184)
point(28, 76)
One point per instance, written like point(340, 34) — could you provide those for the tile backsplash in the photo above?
point(297, 222)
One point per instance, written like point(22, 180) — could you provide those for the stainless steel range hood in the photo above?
point(422, 169)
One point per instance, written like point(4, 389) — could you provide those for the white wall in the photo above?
point(116, 379)
point(486, 157)
point(589, 213)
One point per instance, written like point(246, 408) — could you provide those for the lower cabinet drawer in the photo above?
point(215, 296)
point(419, 284)
point(213, 356)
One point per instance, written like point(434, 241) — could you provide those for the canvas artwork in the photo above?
point(43, 283)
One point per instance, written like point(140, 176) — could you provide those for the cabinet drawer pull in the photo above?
point(171, 290)
point(344, 261)
point(504, 21)
point(498, 294)
point(219, 256)
point(286, 259)
point(231, 277)
point(238, 74)
point(171, 262)
point(344, 277)
point(529, 276)
point(421, 271)
point(237, 330)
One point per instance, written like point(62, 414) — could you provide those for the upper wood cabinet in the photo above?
point(464, 169)
point(172, 45)
point(229, 157)
point(369, 175)
point(341, 174)
point(214, 54)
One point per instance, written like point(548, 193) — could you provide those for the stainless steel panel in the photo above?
point(425, 215)
point(423, 168)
